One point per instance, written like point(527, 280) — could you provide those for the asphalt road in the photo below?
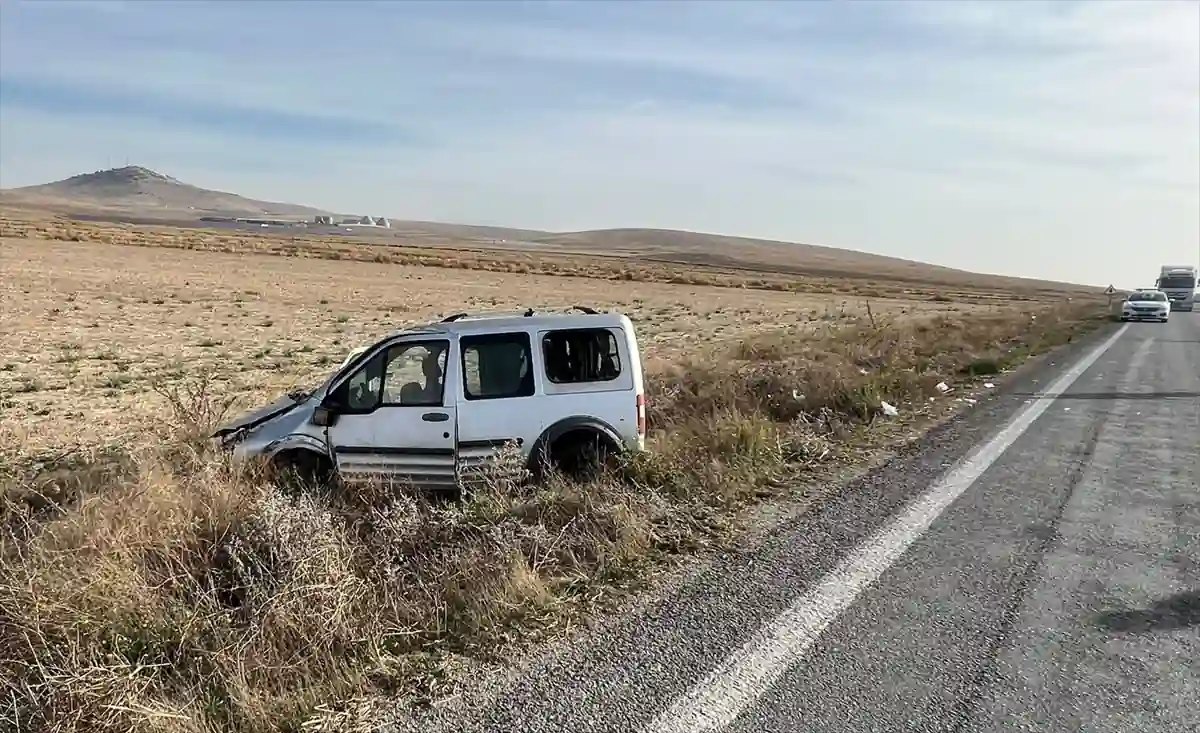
point(1032, 566)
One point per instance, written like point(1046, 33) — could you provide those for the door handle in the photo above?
point(435, 417)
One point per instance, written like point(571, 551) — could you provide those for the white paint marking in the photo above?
point(738, 681)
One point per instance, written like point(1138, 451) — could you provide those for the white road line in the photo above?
point(738, 681)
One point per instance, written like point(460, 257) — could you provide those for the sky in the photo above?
point(1044, 139)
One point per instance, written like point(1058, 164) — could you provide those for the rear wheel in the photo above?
point(580, 455)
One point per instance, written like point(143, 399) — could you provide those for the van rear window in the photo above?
point(581, 355)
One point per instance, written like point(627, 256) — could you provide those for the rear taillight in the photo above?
point(641, 415)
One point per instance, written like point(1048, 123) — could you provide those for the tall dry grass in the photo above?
point(161, 589)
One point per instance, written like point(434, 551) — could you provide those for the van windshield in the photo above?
point(353, 361)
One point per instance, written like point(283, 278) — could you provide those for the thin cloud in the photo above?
point(222, 118)
point(1012, 137)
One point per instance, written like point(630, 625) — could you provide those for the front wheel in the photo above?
point(295, 469)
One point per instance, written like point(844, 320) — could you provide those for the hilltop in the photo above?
point(141, 191)
point(140, 195)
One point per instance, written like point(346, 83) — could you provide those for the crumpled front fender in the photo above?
point(296, 441)
point(251, 449)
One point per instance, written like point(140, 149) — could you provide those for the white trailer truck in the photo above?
point(1179, 283)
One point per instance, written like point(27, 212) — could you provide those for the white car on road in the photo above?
point(1146, 305)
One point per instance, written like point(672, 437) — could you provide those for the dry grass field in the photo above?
point(147, 585)
point(618, 254)
point(90, 326)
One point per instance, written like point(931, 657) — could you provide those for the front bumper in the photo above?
point(242, 446)
point(1154, 315)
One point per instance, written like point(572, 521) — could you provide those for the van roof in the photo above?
point(518, 321)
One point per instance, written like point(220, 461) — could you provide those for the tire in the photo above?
point(580, 455)
point(301, 469)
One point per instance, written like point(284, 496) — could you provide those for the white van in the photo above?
point(427, 404)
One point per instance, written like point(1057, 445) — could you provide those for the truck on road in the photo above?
point(1179, 283)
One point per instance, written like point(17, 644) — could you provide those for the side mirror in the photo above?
point(324, 416)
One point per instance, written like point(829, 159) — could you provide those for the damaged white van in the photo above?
point(427, 404)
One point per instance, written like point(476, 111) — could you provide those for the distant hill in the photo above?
point(744, 253)
point(141, 191)
point(136, 194)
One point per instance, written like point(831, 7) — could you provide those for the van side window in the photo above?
point(407, 374)
point(414, 374)
point(581, 355)
point(497, 366)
